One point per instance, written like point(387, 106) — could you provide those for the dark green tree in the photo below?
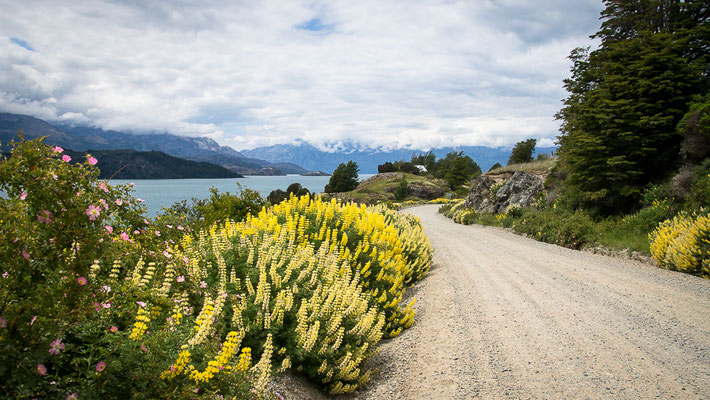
point(344, 178)
point(402, 190)
point(522, 152)
point(618, 130)
point(386, 167)
point(456, 169)
point(428, 160)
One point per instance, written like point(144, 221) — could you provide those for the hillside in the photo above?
point(85, 138)
point(382, 188)
point(131, 164)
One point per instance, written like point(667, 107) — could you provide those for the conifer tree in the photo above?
point(619, 122)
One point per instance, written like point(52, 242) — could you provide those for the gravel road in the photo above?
point(503, 316)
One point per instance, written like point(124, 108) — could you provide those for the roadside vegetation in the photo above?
point(633, 170)
point(207, 300)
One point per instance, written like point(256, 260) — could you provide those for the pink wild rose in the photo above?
point(41, 369)
point(56, 347)
point(81, 281)
point(100, 367)
point(57, 149)
point(93, 212)
point(45, 217)
point(92, 160)
point(109, 228)
point(66, 158)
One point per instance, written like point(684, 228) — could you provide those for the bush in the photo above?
point(386, 167)
point(323, 280)
point(68, 314)
point(402, 190)
point(681, 244)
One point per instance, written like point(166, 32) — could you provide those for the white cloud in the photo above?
point(416, 73)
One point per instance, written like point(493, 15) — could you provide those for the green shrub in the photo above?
point(683, 243)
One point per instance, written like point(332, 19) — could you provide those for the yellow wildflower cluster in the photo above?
point(322, 279)
point(141, 325)
point(221, 361)
point(441, 200)
point(683, 244)
point(387, 251)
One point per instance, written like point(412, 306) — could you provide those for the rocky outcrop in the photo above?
point(479, 197)
point(490, 196)
point(316, 173)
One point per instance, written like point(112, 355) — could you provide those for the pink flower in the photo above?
point(55, 177)
point(92, 160)
point(100, 367)
point(119, 202)
point(180, 278)
point(102, 186)
point(66, 158)
point(104, 203)
point(34, 318)
point(97, 306)
point(166, 254)
point(25, 254)
point(45, 217)
point(179, 227)
point(141, 303)
point(3, 323)
point(140, 200)
point(109, 228)
point(157, 233)
point(106, 305)
point(124, 236)
point(203, 284)
point(23, 195)
point(114, 328)
point(41, 369)
point(57, 149)
point(81, 281)
point(144, 348)
point(56, 346)
point(132, 184)
point(73, 396)
point(106, 288)
point(93, 212)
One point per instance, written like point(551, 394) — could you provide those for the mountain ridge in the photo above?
point(81, 138)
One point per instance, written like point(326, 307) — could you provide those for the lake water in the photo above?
point(159, 193)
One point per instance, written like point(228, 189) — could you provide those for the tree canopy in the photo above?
point(618, 130)
point(522, 152)
point(344, 178)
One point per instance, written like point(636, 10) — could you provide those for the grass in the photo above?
point(535, 166)
point(381, 188)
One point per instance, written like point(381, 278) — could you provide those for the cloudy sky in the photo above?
point(377, 73)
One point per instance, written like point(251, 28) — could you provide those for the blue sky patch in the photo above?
point(314, 25)
point(21, 43)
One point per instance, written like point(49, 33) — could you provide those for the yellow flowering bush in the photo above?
point(309, 284)
point(683, 244)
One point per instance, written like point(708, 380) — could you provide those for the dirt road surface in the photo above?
point(502, 316)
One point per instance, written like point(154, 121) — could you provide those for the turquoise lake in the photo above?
point(159, 193)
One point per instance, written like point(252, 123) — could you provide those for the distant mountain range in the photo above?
point(190, 148)
point(312, 158)
point(284, 158)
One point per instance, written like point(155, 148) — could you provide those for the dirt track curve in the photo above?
point(502, 316)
